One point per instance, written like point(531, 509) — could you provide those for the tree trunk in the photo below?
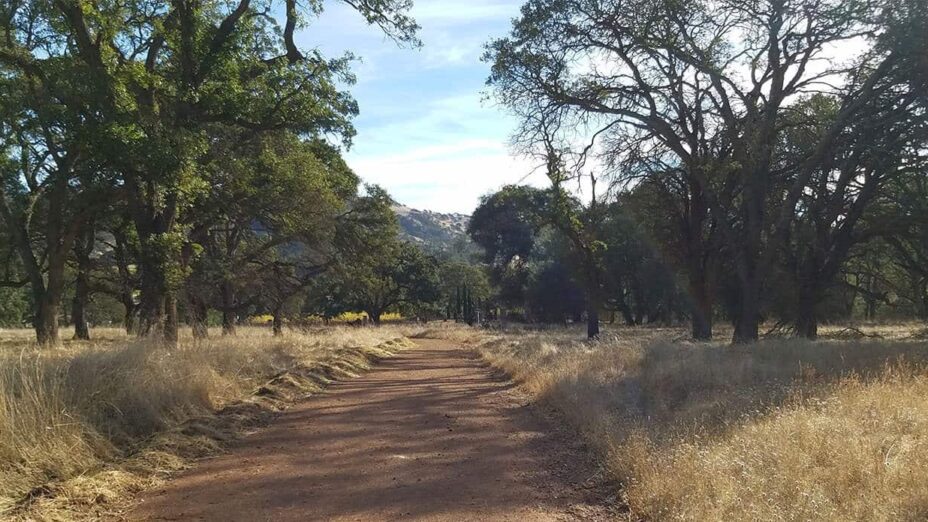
point(701, 313)
point(701, 325)
point(46, 288)
point(170, 321)
point(592, 318)
point(747, 325)
point(870, 298)
point(83, 247)
point(158, 257)
point(198, 315)
point(79, 308)
point(870, 313)
point(151, 304)
point(127, 289)
point(375, 316)
point(228, 323)
point(46, 321)
point(627, 316)
point(697, 271)
point(748, 241)
point(806, 322)
point(641, 308)
point(48, 301)
point(128, 318)
point(922, 300)
point(667, 310)
point(228, 307)
point(157, 307)
point(807, 326)
point(278, 323)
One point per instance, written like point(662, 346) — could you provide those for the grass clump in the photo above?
point(784, 430)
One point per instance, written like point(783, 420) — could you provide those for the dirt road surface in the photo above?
point(432, 434)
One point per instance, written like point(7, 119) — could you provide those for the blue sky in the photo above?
point(424, 132)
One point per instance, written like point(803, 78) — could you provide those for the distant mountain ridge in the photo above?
point(435, 231)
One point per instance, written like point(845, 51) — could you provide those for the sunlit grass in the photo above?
point(344, 318)
point(784, 430)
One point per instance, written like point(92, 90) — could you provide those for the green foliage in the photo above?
point(465, 291)
point(15, 307)
point(388, 276)
point(553, 294)
point(763, 171)
point(547, 255)
point(506, 222)
point(204, 118)
point(326, 297)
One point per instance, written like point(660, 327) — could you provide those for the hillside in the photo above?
point(436, 232)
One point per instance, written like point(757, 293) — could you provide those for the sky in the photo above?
point(425, 131)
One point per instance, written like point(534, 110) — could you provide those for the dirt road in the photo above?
point(432, 434)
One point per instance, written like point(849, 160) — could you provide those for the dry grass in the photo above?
point(450, 331)
point(785, 430)
point(84, 426)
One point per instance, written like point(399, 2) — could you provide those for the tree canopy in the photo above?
point(200, 124)
point(738, 114)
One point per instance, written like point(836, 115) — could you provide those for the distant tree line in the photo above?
point(750, 161)
point(542, 267)
point(180, 162)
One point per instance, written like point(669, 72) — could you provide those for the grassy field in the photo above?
point(84, 426)
point(785, 430)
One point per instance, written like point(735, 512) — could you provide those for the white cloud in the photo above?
point(444, 157)
point(412, 123)
point(446, 178)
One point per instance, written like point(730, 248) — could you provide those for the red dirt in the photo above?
point(432, 434)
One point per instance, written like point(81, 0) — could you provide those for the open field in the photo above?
point(85, 425)
point(784, 430)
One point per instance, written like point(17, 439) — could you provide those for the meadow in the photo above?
point(786, 429)
point(85, 426)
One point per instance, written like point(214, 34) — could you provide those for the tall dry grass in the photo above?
point(784, 430)
point(84, 425)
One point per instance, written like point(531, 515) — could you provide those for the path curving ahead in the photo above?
point(432, 434)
